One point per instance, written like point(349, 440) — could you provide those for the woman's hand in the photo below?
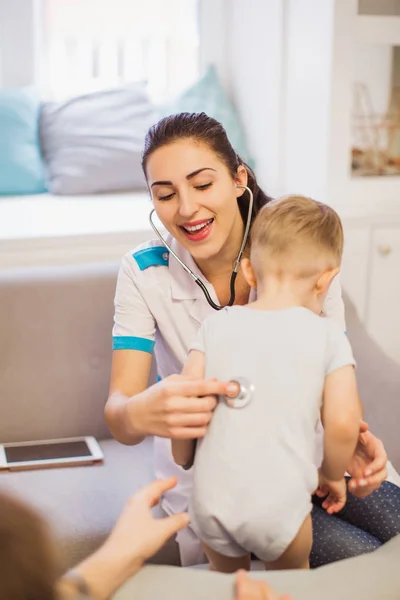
point(178, 407)
point(368, 465)
point(249, 589)
point(136, 536)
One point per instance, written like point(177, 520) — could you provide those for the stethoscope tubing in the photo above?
point(198, 279)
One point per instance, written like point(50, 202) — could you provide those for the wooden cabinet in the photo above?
point(370, 275)
point(383, 294)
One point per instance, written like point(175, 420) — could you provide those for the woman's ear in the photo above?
point(241, 179)
point(248, 272)
point(325, 280)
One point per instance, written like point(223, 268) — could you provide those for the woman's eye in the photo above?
point(203, 187)
point(167, 197)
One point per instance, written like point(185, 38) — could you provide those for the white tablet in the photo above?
point(50, 453)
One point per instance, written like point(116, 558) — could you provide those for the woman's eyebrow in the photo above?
point(190, 176)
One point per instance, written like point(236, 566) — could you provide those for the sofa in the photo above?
point(55, 354)
point(373, 576)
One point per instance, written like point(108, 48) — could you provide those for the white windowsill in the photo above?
point(55, 230)
point(47, 230)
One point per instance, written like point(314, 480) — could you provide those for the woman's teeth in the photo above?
point(193, 228)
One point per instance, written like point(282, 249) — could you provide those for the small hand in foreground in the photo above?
point(335, 492)
point(136, 536)
point(249, 589)
point(367, 468)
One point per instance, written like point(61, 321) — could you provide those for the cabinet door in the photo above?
point(354, 271)
point(384, 290)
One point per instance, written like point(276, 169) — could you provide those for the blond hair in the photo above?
point(296, 235)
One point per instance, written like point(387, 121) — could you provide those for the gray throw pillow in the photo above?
point(93, 143)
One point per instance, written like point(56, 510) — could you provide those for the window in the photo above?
point(98, 44)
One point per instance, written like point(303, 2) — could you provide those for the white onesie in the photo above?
point(254, 471)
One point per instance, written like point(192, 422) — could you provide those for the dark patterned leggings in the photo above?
point(362, 526)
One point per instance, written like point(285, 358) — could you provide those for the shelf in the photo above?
point(374, 199)
point(378, 30)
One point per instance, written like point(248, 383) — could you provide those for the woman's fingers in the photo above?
point(189, 405)
point(199, 387)
point(377, 466)
point(365, 487)
point(190, 420)
point(187, 433)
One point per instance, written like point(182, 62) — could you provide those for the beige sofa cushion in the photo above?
point(374, 576)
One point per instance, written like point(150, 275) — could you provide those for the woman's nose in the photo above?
point(187, 206)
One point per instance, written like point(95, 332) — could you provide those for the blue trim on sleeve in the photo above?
point(149, 257)
point(128, 342)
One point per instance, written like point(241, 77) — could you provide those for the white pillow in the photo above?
point(93, 143)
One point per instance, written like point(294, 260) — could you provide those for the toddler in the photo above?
point(254, 471)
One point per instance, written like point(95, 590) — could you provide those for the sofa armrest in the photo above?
point(55, 350)
point(378, 379)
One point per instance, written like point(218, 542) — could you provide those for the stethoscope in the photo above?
point(245, 388)
point(198, 279)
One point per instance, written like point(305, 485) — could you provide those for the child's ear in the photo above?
point(325, 280)
point(248, 272)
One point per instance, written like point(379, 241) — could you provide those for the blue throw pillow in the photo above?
point(207, 95)
point(21, 167)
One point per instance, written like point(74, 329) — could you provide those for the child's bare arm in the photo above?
point(341, 414)
point(183, 450)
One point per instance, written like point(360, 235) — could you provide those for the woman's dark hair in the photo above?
point(205, 129)
point(29, 565)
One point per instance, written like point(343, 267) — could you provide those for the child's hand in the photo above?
point(250, 589)
point(335, 492)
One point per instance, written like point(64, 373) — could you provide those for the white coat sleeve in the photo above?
point(134, 325)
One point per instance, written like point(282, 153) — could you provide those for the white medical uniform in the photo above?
point(159, 307)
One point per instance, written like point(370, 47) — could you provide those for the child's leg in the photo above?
point(297, 555)
point(226, 564)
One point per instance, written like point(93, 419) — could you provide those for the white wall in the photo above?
point(214, 30)
point(20, 42)
point(256, 62)
point(373, 66)
point(279, 64)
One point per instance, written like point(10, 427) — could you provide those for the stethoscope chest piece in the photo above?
point(244, 395)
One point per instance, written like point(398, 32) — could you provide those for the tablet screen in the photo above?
point(46, 451)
